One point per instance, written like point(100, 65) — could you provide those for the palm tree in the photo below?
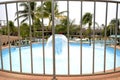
point(25, 12)
point(62, 27)
point(12, 28)
point(47, 11)
point(87, 19)
point(112, 24)
point(24, 30)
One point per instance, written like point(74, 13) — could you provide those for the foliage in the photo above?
point(63, 26)
point(24, 30)
point(12, 28)
point(44, 11)
point(87, 19)
point(59, 29)
point(113, 23)
point(110, 29)
point(4, 30)
point(37, 24)
point(25, 12)
point(38, 34)
point(47, 11)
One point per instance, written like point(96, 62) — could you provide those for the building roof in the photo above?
point(4, 38)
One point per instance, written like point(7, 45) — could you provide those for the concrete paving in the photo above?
point(16, 76)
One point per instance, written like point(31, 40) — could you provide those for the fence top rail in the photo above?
point(15, 1)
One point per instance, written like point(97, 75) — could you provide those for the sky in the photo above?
point(74, 11)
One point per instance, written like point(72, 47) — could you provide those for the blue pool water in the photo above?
point(61, 60)
point(61, 52)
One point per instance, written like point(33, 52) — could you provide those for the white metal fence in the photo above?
point(106, 2)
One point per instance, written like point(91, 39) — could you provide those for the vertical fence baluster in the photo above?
point(31, 54)
point(68, 36)
point(105, 36)
point(43, 41)
point(1, 52)
point(19, 39)
point(94, 38)
point(6, 9)
point(53, 33)
point(81, 39)
point(116, 27)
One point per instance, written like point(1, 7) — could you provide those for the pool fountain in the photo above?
point(60, 43)
point(61, 52)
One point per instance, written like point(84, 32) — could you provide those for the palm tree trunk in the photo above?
point(33, 28)
point(89, 35)
point(49, 25)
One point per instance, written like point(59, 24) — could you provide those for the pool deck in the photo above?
point(117, 46)
point(16, 76)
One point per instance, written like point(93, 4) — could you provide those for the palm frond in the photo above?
point(114, 21)
point(21, 16)
point(21, 12)
point(72, 22)
point(87, 18)
point(24, 19)
point(24, 4)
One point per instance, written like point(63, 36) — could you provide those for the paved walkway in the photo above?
point(14, 76)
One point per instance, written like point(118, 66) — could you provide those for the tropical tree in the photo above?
point(24, 30)
point(87, 19)
point(4, 30)
point(62, 27)
point(24, 14)
point(37, 24)
point(112, 25)
point(12, 28)
point(47, 11)
point(37, 27)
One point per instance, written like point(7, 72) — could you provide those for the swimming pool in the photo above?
point(61, 59)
